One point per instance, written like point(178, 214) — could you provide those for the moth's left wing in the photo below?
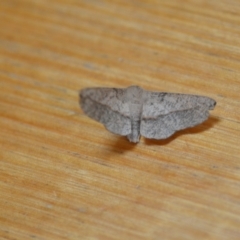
point(165, 113)
point(108, 106)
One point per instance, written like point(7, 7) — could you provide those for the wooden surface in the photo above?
point(62, 175)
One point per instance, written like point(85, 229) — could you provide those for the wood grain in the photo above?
point(62, 175)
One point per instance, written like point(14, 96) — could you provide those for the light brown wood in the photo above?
point(63, 175)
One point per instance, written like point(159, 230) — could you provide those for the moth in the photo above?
point(133, 112)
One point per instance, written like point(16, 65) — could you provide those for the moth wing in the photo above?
point(108, 106)
point(165, 113)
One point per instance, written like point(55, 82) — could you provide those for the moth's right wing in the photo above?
point(165, 113)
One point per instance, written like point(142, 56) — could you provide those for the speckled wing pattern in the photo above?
point(133, 112)
point(109, 107)
point(165, 113)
